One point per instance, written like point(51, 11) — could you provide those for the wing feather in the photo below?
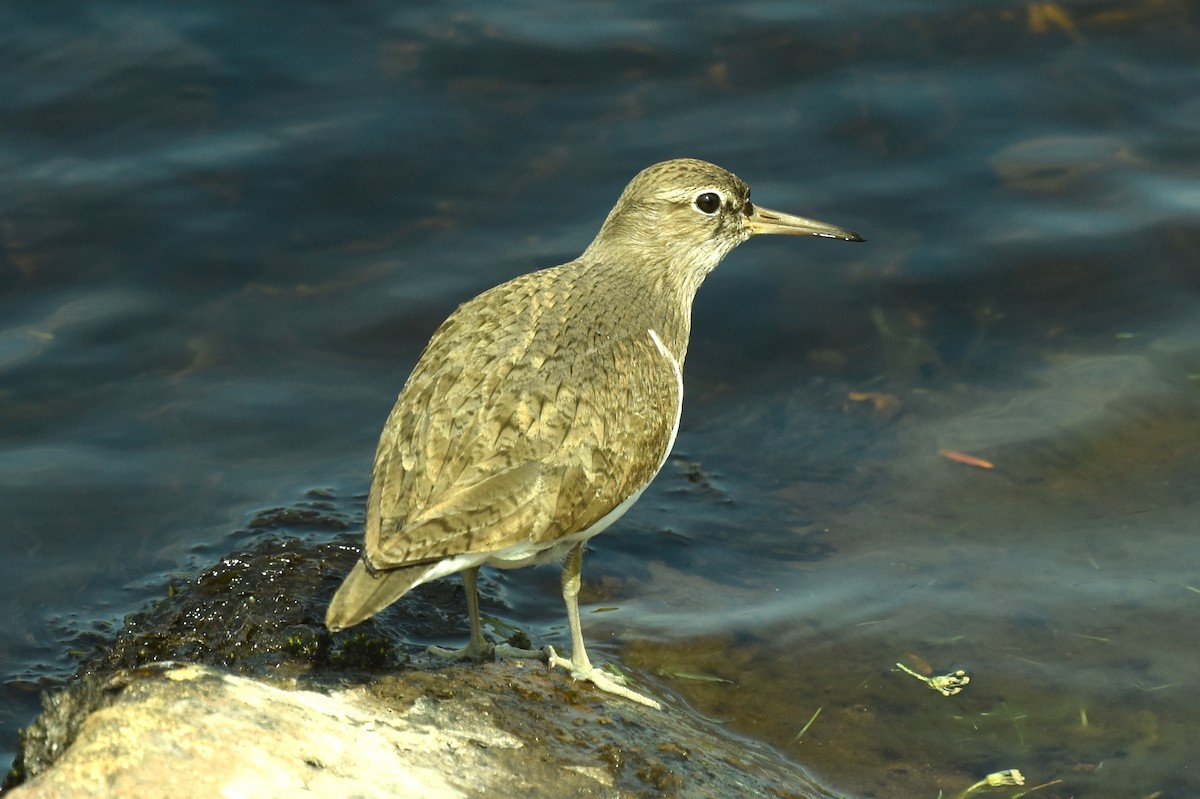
point(516, 425)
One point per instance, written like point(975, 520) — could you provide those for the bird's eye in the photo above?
point(708, 202)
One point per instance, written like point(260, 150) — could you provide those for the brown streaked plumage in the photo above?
point(541, 409)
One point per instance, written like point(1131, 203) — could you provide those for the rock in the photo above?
point(497, 729)
point(231, 687)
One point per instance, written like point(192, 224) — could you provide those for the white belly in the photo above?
point(528, 554)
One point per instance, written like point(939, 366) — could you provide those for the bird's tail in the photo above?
point(364, 594)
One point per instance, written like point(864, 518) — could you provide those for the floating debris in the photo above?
point(962, 457)
point(688, 675)
point(1044, 17)
point(998, 779)
point(804, 729)
point(886, 405)
point(945, 684)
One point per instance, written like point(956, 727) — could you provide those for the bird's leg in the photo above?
point(478, 648)
point(579, 666)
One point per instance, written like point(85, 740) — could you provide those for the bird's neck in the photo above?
point(647, 294)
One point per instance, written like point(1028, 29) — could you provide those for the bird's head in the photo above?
point(691, 214)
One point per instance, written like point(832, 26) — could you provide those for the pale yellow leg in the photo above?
point(579, 666)
point(477, 647)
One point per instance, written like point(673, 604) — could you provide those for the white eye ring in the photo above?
point(707, 202)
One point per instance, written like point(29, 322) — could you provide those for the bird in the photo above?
point(541, 410)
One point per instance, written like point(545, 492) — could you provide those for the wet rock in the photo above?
point(231, 686)
point(502, 729)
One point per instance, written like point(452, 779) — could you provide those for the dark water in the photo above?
point(227, 230)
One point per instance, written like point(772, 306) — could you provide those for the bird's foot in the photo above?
point(509, 651)
point(475, 651)
point(612, 683)
point(478, 650)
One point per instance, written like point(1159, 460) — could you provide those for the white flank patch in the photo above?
point(451, 565)
point(527, 553)
point(679, 393)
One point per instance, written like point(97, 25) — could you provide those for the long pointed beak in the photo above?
point(764, 220)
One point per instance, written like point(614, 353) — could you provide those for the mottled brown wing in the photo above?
point(517, 424)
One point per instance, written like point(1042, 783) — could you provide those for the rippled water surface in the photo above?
point(227, 231)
